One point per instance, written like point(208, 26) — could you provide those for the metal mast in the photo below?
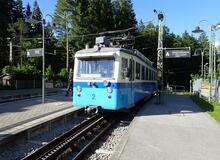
point(160, 56)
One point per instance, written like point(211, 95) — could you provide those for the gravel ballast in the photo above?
point(18, 150)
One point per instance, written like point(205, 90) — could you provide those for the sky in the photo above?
point(180, 15)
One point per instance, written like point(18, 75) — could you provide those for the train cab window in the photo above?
point(147, 77)
point(138, 69)
point(143, 73)
point(124, 68)
point(95, 68)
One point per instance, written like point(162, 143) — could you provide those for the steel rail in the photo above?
point(92, 142)
point(61, 143)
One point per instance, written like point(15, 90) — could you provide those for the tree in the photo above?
point(141, 26)
point(37, 15)
point(124, 16)
point(28, 12)
point(4, 16)
point(91, 17)
point(17, 31)
point(12, 11)
point(63, 16)
point(20, 9)
point(146, 41)
point(49, 74)
point(100, 16)
point(204, 44)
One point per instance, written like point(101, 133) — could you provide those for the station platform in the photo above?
point(10, 95)
point(175, 130)
point(20, 115)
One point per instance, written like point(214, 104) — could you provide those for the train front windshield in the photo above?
point(96, 68)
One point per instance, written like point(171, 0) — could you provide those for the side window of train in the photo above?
point(131, 67)
point(143, 73)
point(138, 69)
point(147, 77)
point(124, 68)
point(150, 75)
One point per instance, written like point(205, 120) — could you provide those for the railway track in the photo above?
point(89, 130)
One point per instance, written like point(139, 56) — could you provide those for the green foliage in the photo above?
point(124, 16)
point(26, 71)
point(8, 69)
point(49, 74)
point(212, 108)
point(202, 103)
point(63, 73)
point(20, 9)
point(28, 12)
point(97, 16)
point(18, 28)
point(83, 17)
point(194, 76)
point(37, 15)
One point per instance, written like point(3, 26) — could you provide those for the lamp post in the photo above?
point(43, 22)
point(160, 56)
point(204, 70)
point(212, 58)
point(202, 51)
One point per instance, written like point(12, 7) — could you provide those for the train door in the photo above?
point(131, 82)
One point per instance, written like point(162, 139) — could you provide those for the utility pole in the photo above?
point(211, 56)
point(43, 59)
point(67, 42)
point(10, 52)
point(160, 57)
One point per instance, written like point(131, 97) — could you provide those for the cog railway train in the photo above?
point(111, 78)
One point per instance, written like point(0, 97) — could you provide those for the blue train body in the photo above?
point(112, 78)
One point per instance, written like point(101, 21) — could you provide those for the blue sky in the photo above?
point(180, 15)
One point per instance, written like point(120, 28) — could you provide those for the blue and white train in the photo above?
point(111, 78)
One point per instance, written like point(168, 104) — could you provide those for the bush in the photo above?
point(8, 69)
point(27, 71)
point(21, 72)
point(63, 74)
point(49, 74)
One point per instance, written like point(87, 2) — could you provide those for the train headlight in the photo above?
point(78, 88)
point(109, 90)
point(106, 83)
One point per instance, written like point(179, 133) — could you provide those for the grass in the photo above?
point(183, 93)
point(212, 108)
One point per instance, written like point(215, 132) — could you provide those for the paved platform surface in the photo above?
point(176, 130)
point(25, 93)
point(17, 113)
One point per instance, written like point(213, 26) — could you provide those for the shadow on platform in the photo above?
point(172, 104)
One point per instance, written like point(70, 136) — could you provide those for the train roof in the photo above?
point(133, 52)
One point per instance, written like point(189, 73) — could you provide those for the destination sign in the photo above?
point(37, 52)
point(177, 52)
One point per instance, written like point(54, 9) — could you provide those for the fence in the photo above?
point(20, 84)
point(202, 88)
